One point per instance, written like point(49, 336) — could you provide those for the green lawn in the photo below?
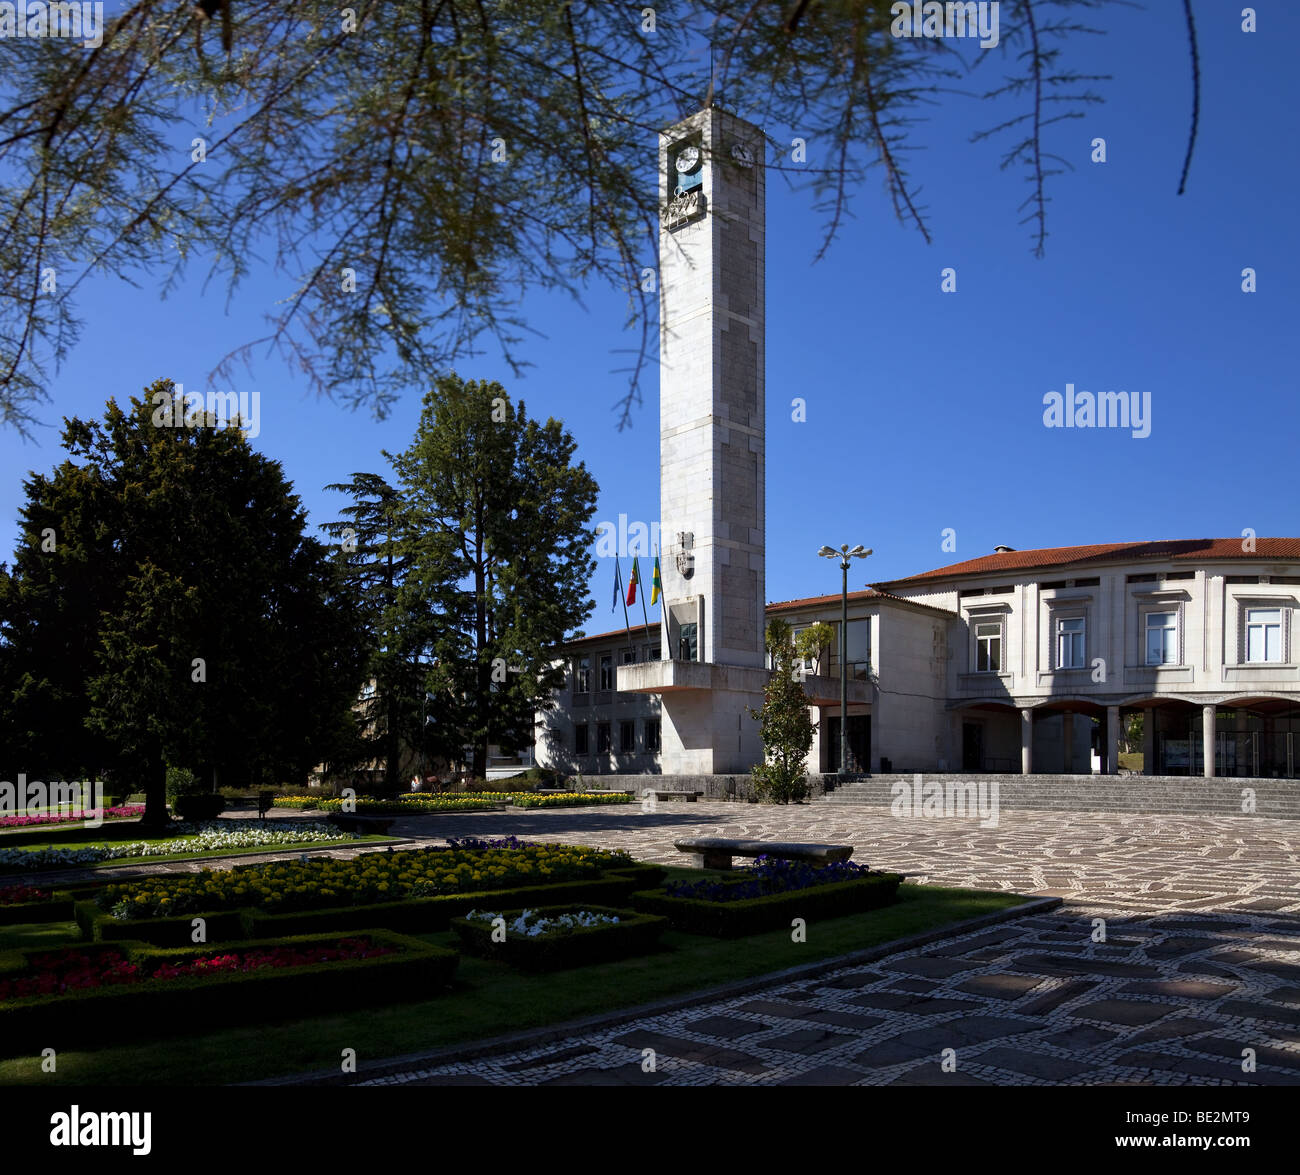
point(488, 1000)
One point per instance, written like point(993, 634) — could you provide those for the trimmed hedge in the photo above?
point(56, 909)
point(635, 934)
point(93, 1017)
point(645, 876)
point(416, 915)
point(757, 915)
point(99, 926)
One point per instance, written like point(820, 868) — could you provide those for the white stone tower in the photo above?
point(711, 445)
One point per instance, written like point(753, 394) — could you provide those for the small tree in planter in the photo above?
point(784, 725)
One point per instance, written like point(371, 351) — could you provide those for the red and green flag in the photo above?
point(633, 581)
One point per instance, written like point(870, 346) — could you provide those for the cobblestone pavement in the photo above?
point(1201, 960)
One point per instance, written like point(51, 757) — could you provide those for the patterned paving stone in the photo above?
point(933, 1074)
point(1182, 989)
point(930, 966)
point(1028, 1064)
point(1201, 913)
point(726, 1027)
point(1127, 1012)
point(824, 1075)
point(1049, 1001)
point(807, 1041)
point(680, 1048)
point(1001, 987)
point(1171, 1029)
point(1081, 1036)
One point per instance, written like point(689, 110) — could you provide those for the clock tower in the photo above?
point(711, 446)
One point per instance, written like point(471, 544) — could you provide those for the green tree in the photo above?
point(452, 154)
point(499, 546)
point(784, 724)
point(371, 544)
point(166, 603)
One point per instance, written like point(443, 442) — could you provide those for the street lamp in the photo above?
point(845, 556)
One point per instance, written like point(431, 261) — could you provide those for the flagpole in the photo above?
point(627, 623)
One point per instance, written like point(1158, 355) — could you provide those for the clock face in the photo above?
point(742, 155)
point(688, 159)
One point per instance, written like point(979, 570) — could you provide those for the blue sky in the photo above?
point(924, 409)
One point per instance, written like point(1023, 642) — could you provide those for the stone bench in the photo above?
point(689, 796)
point(362, 824)
point(715, 852)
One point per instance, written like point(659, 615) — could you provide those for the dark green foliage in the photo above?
point(165, 607)
point(786, 729)
point(499, 549)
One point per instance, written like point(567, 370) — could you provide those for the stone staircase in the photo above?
point(1278, 799)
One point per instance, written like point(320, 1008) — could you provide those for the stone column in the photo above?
point(1112, 740)
point(1207, 739)
point(1067, 739)
point(1026, 742)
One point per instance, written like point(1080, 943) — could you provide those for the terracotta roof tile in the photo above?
point(1097, 553)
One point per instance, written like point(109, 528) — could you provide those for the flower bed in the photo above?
point(727, 917)
point(767, 876)
point(301, 803)
point(416, 805)
point(373, 877)
point(414, 890)
point(570, 800)
point(122, 813)
point(99, 994)
point(554, 937)
point(201, 838)
point(13, 895)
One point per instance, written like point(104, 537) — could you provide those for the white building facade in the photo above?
point(998, 664)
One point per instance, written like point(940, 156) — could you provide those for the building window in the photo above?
point(1264, 634)
point(652, 735)
point(688, 648)
point(607, 672)
point(1162, 638)
point(859, 658)
point(602, 738)
point(988, 647)
point(580, 739)
point(582, 676)
point(627, 737)
point(652, 652)
point(629, 656)
point(1069, 642)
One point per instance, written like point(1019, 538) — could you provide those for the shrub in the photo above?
point(203, 806)
point(181, 781)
